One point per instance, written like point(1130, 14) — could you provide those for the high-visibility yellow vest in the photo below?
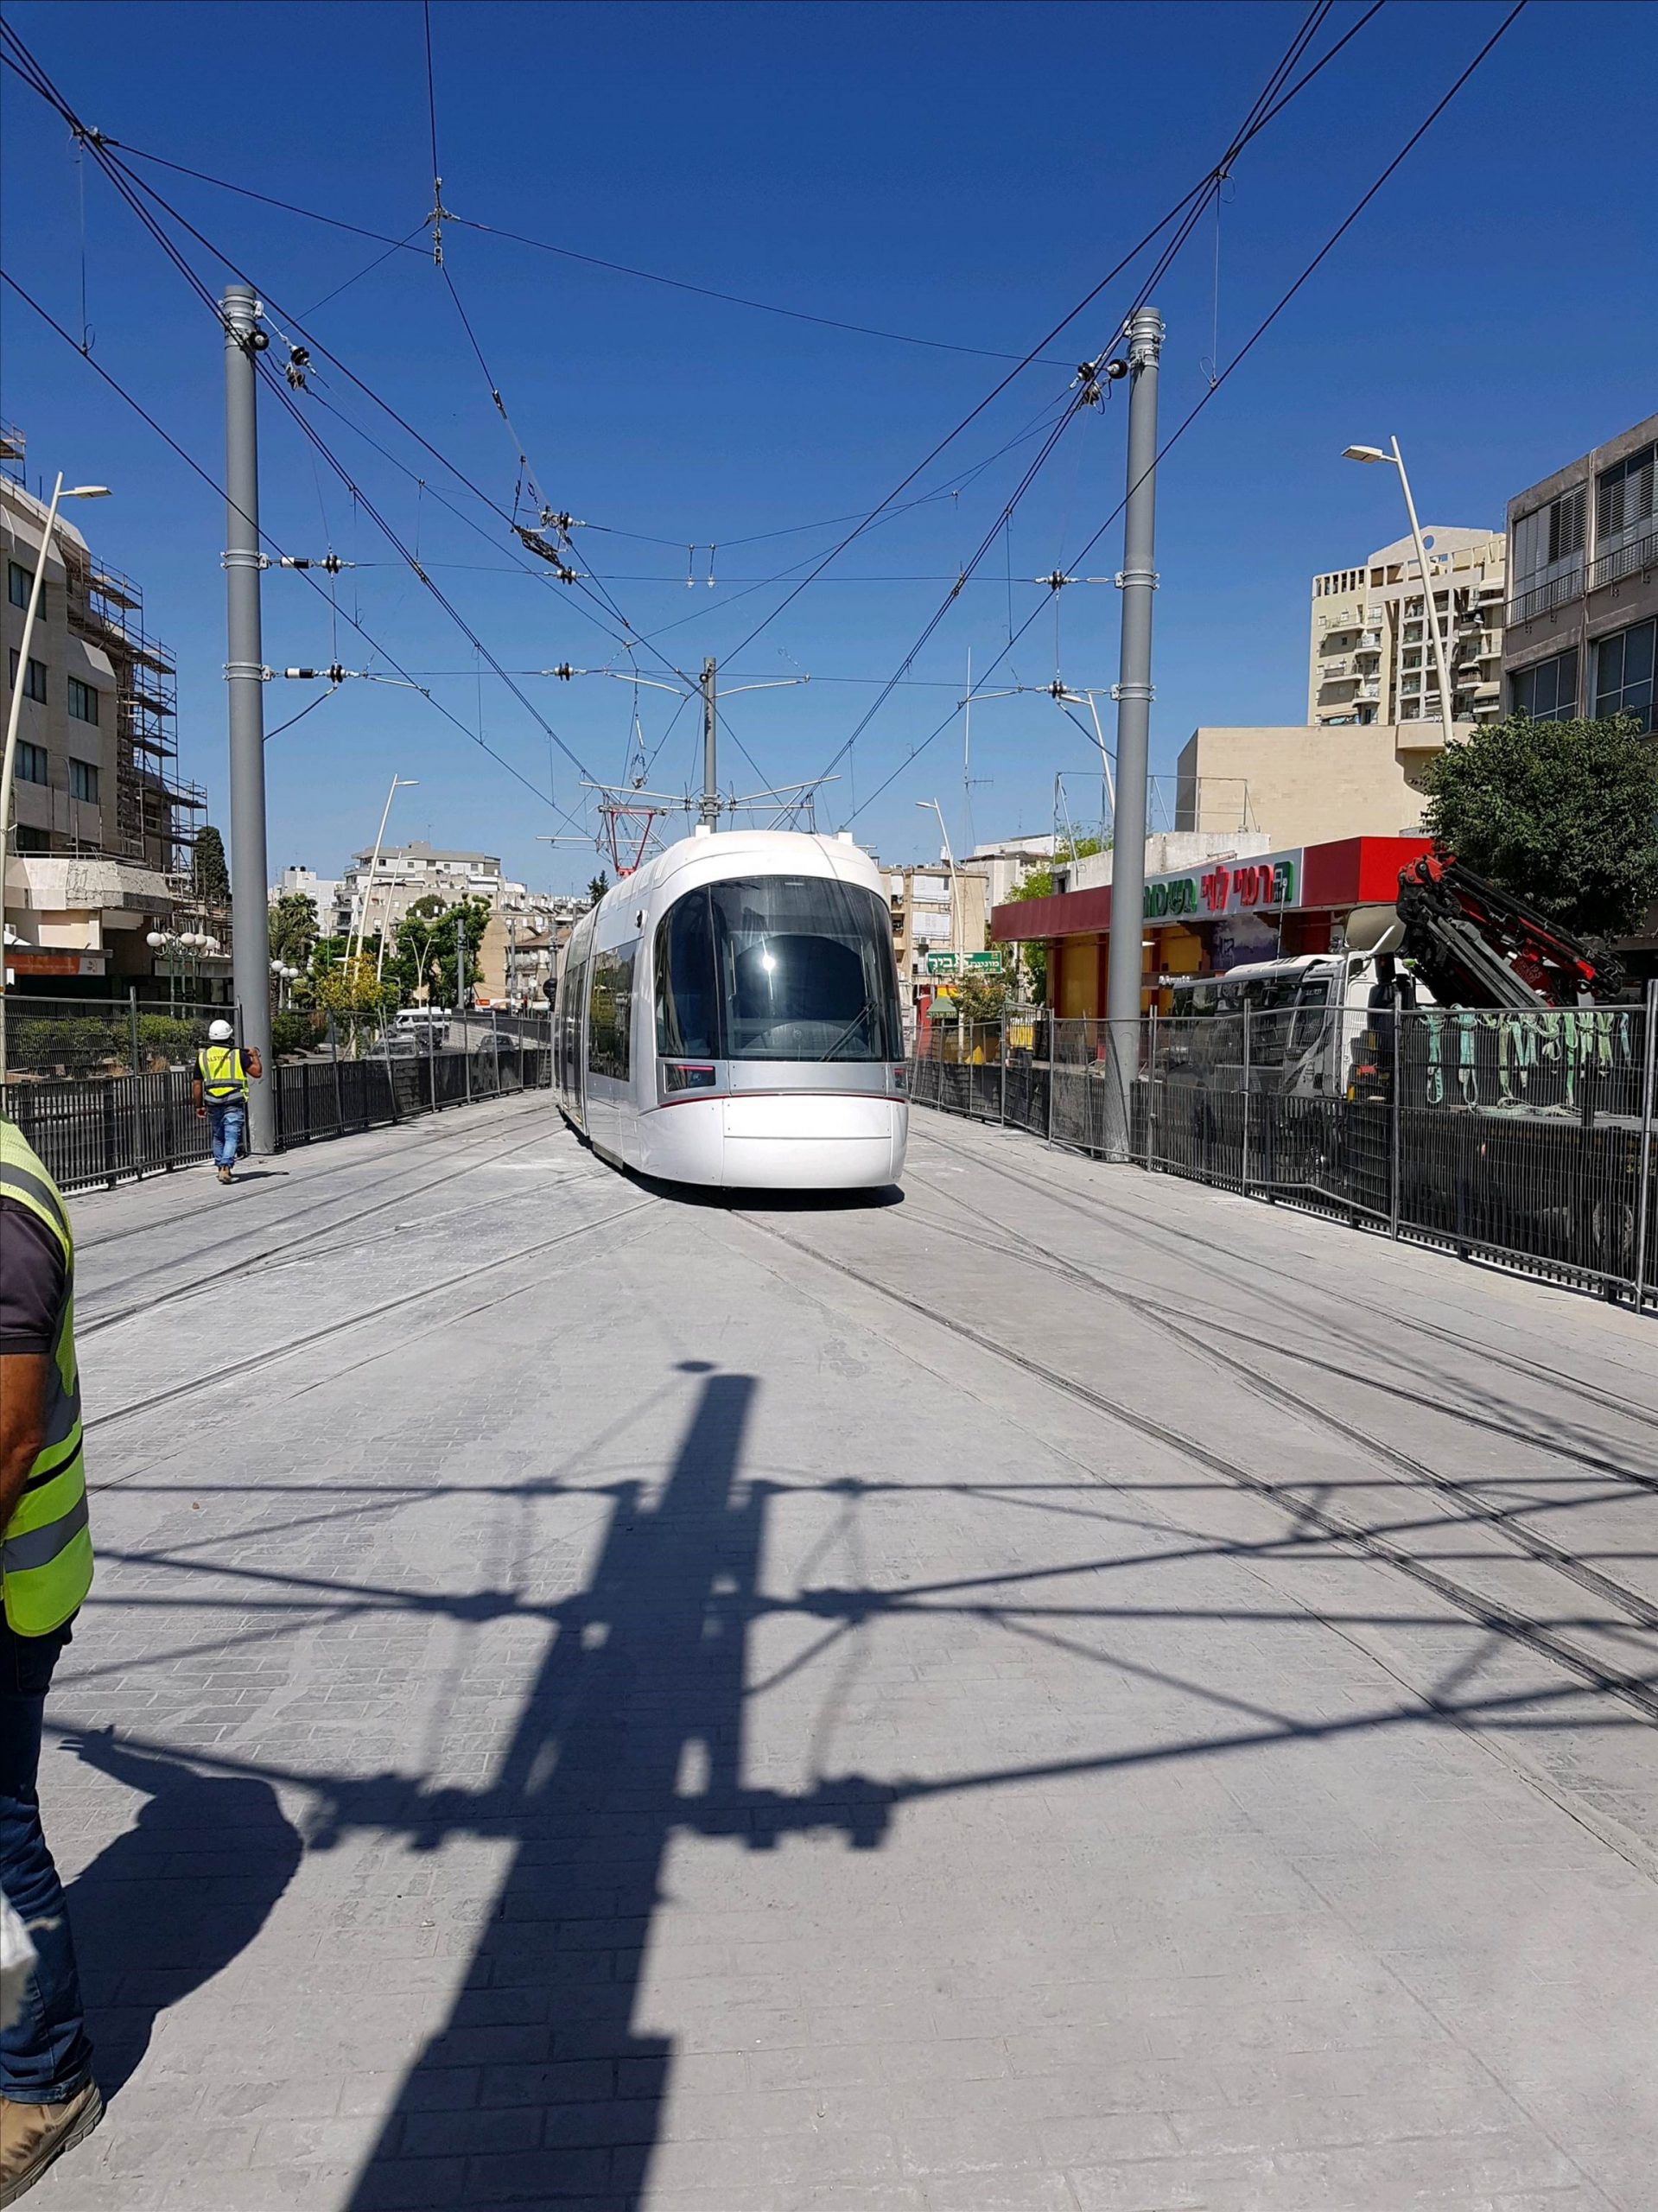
point(222, 1072)
point(46, 1550)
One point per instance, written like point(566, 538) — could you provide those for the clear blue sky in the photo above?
point(958, 172)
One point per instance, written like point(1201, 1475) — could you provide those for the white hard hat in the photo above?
point(219, 1033)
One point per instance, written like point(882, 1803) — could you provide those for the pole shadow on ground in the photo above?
point(645, 1678)
point(542, 2086)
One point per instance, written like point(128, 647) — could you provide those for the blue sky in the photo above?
point(960, 172)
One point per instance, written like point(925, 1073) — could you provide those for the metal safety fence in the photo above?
point(105, 1092)
point(1526, 1137)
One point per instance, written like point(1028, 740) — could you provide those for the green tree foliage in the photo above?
point(1563, 815)
point(983, 994)
point(1038, 883)
point(424, 949)
point(210, 876)
point(293, 929)
point(597, 887)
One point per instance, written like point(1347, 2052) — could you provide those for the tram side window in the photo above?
point(687, 1001)
point(610, 1006)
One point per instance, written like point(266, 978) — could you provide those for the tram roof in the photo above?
point(716, 855)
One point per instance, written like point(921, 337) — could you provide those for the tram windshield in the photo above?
point(777, 968)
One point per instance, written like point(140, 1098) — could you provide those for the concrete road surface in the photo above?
point(1069, 1693)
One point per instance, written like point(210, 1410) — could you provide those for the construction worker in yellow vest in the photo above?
point(223, 1075)
point(49, 2100)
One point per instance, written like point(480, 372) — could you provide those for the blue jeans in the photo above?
point(225, 1119)
point(44, 2054)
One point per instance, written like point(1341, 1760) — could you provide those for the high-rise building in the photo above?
point(102, 825)
point(1583, 575)
point(1370, 656)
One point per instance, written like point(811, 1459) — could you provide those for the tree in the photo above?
point(1563, 815)
point(293, 928)
point(981, 995)
point(1038, 883)
point(424, 948)
point(209, 877)
point(597, 887)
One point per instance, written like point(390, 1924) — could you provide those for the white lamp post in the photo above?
point(75, 491)
point(1372, 454)
point(398, 783)
point(957, 912)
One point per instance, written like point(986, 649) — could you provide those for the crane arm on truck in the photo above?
point(1474, 945)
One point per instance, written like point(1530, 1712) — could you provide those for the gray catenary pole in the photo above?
point(711, 808)
point(1133, 693)
point(245, 682)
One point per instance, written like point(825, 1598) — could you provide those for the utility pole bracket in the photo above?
point(236, 671)
point(1146, 691)
point(241, 557)
point(1149, 577)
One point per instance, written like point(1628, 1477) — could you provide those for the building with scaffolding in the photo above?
point(102, 825)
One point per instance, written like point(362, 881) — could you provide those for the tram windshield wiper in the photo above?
point(863, 1015)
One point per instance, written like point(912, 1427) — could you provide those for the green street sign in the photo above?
point(984, 959)
point(942, 964)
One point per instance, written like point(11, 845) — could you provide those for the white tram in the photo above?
point(728, 1015)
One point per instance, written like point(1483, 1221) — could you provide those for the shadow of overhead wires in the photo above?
point(635, 1731)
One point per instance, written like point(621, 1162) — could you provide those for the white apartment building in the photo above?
point(517, 959)
point(322, 891)
point(1371, 656)
point(406, 873)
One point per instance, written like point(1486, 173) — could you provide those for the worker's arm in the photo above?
point(22, 1422)
point(31, 1292)
point(201, 1104)
point(254, 1064)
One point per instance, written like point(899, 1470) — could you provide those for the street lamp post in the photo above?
point(14, 713)
point(1371, 455)
point(398, 783)
point(957, 904)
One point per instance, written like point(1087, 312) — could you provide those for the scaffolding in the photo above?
point(155, 810)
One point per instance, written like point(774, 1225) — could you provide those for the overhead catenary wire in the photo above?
point(1271, 103)
point(564, 252)
point(525, 470)
point(39, 80)
point(443, 458)
point(1259, 332)
point(1267, 103)
point(218, 489)
point(104, 141)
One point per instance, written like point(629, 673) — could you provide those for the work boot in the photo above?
point(224, 1174)
point(33, 2136)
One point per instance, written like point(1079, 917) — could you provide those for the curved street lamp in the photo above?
point(1371, 455)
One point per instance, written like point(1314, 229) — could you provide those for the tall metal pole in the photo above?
point(709, 812)
point(244, 677)
point(1132, 692)
point(1428, 615)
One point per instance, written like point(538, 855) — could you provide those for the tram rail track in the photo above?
point(1638, 1691)
point(175, 1393)
point(1098, 1212)
point(1491, 1514)
point(286, 1250)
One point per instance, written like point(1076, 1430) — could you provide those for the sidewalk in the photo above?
point(622, 1702)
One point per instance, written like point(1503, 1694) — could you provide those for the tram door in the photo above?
point(609, 1053)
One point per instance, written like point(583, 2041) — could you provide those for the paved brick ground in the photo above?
point(625, 1703)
